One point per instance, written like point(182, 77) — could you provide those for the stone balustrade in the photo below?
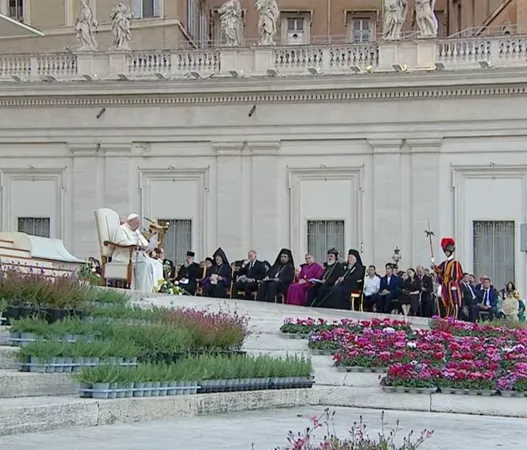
point(447, 54)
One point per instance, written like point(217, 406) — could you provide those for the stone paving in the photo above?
point(266, 430)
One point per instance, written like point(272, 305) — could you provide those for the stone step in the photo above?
point(37, 414)
point(375, 398)
point(14, 384)
point(8, 357)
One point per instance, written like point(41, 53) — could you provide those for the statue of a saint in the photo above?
point(121, 23)
point(231, 23)
point(394, 17)
point(269, 14)
point(426, 18)
point(86, 27)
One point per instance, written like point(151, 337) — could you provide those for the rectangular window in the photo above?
point(16, 9)
point(145, 9)
point(295, 28)
point(494, 251)
point(35, 226)
point(323, 235)
point(295, 24)
point(361, 30)
point(178, 239)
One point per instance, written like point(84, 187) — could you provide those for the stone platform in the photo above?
point(39, 402)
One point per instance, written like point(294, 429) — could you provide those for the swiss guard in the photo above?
point(450, 274)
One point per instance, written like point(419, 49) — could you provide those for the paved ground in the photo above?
point(267, 430)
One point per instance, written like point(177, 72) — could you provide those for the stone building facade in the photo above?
point(256, 148)
point(163, 24)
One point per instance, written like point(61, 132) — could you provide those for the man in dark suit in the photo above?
point(427, 290)
point(188, 274)
point(389, 290)
point(250, 273)
point(487, 300)
point(469, 297)
point(319, 294)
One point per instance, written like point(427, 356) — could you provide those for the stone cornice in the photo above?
point(299, 89)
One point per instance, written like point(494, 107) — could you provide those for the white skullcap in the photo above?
point(132, 217)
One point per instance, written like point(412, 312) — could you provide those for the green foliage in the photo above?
point(201, 368)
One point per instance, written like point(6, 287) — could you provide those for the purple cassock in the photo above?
point(297, 292)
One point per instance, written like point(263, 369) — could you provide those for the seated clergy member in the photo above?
point(146, 271)
point(218, 278)
point(388, 291)
point(351, 282)
point(487, 299)
point(372, 285)
point(251, 272)
point(279, 277)
point(297, 292)
point(188, 274)
point(317, 295)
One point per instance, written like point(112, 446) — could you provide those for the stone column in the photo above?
point(3, 7)
point(386, 199)
point(117, 179)
point(69, 20)
point(86, 181)
point(232, 197)
point(425, 196)
point(263, 205)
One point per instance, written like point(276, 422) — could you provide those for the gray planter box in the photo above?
point(147, 392)
point(101, 390)
point(139, 389)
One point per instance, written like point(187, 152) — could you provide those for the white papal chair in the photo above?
point(107, 223)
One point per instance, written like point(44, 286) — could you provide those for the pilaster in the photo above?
point(86, 182)
point(386, 198)
point(263, 206)
point(425, 154)
point(231, 197)
point(118, 177)
point(3, 7)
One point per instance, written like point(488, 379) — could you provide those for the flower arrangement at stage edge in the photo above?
point(358, 437)
point(167, 287)
point(88, 273)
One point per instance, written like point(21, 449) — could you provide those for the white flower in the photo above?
point(388, 330)
point(411, 344)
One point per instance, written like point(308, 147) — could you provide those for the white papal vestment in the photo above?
point(146, 271)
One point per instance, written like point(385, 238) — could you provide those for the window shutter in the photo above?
point(157, 8)
point(137, 9)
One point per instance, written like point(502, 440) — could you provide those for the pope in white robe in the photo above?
point(147, 272)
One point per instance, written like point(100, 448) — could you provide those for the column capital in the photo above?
point(83, 148)
point(425, 145)
point(229, 148)
point(385, 145)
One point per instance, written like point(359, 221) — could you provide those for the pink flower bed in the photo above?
point(452, 354)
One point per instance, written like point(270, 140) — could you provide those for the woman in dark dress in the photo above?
point(352, 282)
point(218, 279)
point(410, 294)
point(279, 277)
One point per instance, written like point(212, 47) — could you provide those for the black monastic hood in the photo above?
point(285, 251)
point(222, 254)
